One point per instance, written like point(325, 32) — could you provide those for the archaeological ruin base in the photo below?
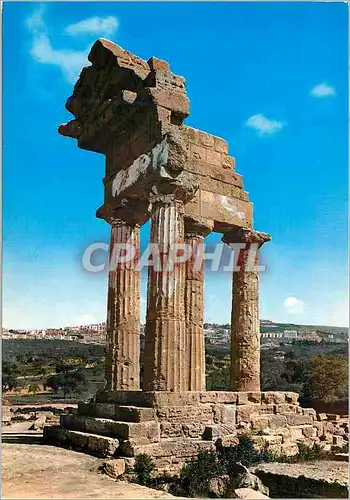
point(184, 181)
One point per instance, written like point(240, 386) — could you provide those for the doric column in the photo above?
point(245, 327)
point(195, 231)
point(165, 323)
point(123, 311)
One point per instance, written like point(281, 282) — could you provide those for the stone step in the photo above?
point(101, 445)
point(116, 412)
point(174, 448)
point(139, 432)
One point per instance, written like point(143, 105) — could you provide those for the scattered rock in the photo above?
point(39, 423)
point(247, 493)
point(242, 478)
point(114, 468)
point(218, 486)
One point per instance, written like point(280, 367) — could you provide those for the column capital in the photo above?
point(129, 213)
point(247, 236)
point(198, 227)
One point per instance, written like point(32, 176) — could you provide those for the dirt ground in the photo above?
point(34, 470)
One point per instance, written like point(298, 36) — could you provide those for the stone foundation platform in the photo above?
point(173, 427)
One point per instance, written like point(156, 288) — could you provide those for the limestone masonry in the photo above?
point(184, 181)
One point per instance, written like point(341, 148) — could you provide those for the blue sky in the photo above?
point(271, 78)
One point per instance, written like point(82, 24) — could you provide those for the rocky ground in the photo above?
point(34, 470)
point(323, 470)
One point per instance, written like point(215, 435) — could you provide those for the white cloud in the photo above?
point(322, 90)
point(100, 26)
point(263, 125)
point(293, 305)
point(69, 61)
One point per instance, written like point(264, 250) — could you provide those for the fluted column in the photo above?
point(123, 312)
point(194, 302)
point(245, 323)
point(165, 323)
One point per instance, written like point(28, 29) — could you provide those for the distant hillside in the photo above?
point(267, 326)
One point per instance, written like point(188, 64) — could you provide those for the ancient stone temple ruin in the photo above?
point(184, 181)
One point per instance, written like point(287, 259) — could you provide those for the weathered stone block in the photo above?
point(171, 448)
point(123, 430)
point(226, 397)
point(170, 430)
point(216, 431)
point(208, 397)
point(102, 445)
point(228, 162)
point(296, 433)
point(114, 467)
point(266, 409)
point(321, 416)
point(273, 439)
point(295, 419)
point(73, 422)
point(198, 152)
point(194, 431)
point(260, 422)
point(311, 412)
point(217, 413)
point(228, 414)
point(273, 397)
point(213, 158)
point(263, 441)
point(134, 414)
point(248, 493)
point(205, 140)
point(220, 145)
point(286, 408)
point(291, 397)
point(309, 431)
point(242, 398)
point(333, 416)
point(319, 428)
point(279, 431)
point(254, 397)
point(186, 414)
point(228, 440)
point(244, 413)
point(289, 449)
point(277, 421)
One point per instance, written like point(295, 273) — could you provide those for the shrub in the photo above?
point(33, 388)
point(143, 468)
point(243, 452)
point(306, 452)
point(197, 473)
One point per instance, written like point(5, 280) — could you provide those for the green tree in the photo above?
point(67, 382)
point(10, 372)
point(328, 377)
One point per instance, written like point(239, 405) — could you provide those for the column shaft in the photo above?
point(165, 324)
point(123, 313)
point(194, 295)
point(245, 327)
